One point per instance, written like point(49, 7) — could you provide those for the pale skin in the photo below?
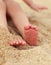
point(20, 20)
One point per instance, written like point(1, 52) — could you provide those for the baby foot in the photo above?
point(17, 43)
point(31, 34)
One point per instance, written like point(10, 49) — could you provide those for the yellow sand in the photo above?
point(28, 55)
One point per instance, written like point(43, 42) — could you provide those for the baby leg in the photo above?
point(3, 23)
point(28, 32)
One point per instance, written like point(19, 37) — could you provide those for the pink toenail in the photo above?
point(24, 43)
point(14, 42)
point(19, 42)
point(27, 27)
point(11, 44)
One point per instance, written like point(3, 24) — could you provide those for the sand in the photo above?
point(28, 55)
